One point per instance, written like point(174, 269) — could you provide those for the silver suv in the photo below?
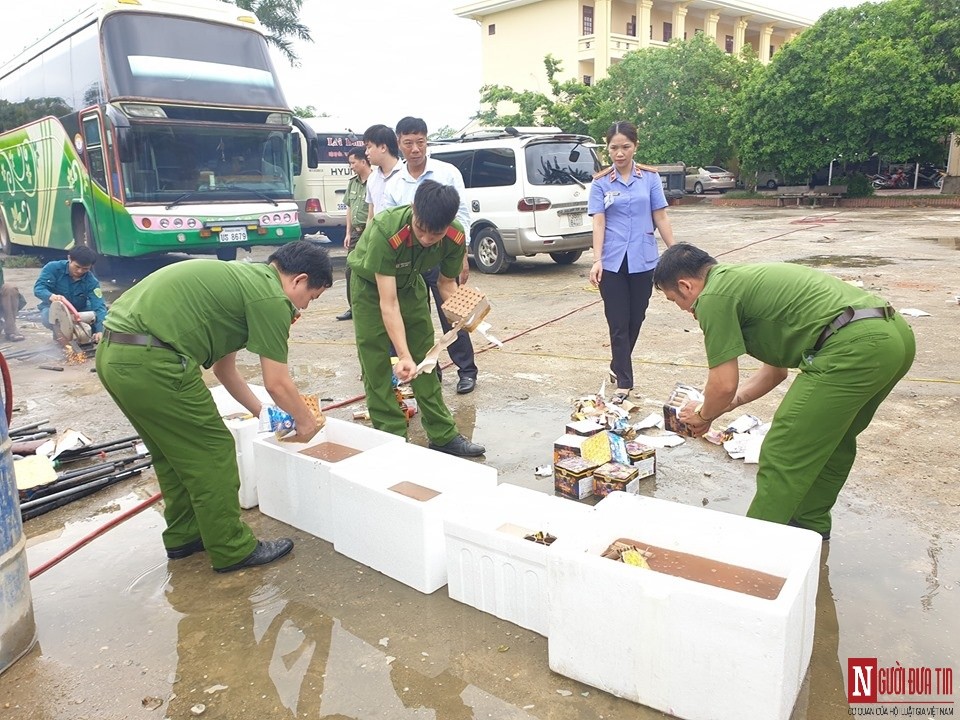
point(527, 189)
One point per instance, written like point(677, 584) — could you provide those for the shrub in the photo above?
point(858, 185)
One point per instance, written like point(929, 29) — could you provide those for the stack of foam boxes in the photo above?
point(244, 429)
point(297, 488)
point(687, 648)
point(391, 503)
point(493, 567)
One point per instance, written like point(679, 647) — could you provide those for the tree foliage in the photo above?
point(568, 107)
point(20, 113)
point(875, 79)
point(680, 98)
point(281, 20)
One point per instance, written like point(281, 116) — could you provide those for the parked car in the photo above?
point(527, 189)
point(769, 179)
point(709, 177)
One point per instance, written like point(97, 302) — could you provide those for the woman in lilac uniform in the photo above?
point(627, 204)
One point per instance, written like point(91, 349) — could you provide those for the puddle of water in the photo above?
point(949, 242)
point(842, 261)
point(319, 635)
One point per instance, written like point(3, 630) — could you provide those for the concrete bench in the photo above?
point(791, 192)
point(827, 192)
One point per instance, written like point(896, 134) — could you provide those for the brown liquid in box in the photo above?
point(330, 452)
point(710, 572)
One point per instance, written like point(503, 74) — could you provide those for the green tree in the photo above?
point(680, 98)
point(308, 111)
point(443, 133)
point(569, 106)
point(20, 113)
point(281, 20)
point(875, 79)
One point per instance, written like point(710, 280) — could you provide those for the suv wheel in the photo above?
point(488, 252)
point(771, 184)
point(566, 258)
point(698, 189)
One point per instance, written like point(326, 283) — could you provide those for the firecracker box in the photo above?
point(573, 477)
point(643, 458)
point(681, 395)
point(595, 448)
point(584, 427)
point(613, 476)
point(466, 305)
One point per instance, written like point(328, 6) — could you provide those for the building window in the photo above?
point(698, 31)
point(588, 79)
point(728, 44)
point(492, 29)
point(588, 20)
point(771, 50)
point(667, 31)
point(651, 32)
point(632, 26)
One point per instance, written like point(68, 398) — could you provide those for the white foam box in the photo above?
point(244, 431)
point(686, 648)
point(490, 566)
point(296, 488)
point(393, 533)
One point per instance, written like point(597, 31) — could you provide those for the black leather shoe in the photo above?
point(346, 315)
point(182, 551)
point(466, 385)
point(265, 552)
point(461, 447)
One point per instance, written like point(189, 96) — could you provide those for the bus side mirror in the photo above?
point(124, 149)
point(313, 153)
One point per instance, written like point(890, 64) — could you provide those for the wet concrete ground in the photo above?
point(123, 633)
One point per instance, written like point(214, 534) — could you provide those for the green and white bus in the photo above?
point(147, 126)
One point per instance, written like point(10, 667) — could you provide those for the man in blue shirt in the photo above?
point(73, 281)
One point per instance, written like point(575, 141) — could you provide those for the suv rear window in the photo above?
point(553, 163)
point(493, 167)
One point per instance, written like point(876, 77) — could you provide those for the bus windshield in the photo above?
point(163, 162)
point(181, 59)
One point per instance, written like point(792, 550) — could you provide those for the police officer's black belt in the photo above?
point(850, 315)
point(130, 339)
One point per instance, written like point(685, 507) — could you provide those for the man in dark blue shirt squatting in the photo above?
point(71, 280)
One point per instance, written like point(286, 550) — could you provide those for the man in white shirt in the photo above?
point(382, 152)
point(402, 186)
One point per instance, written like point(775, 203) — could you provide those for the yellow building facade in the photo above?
point(588, 36)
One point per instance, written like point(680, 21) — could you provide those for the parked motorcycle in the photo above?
point(930, 175)
point(898, 180)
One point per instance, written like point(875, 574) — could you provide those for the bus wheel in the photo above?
point(227, 253)
point(5, 243)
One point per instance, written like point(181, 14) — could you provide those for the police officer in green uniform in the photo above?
point(159, 335)
point(851, 349)
point(390, 305)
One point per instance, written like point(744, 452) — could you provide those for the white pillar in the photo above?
point(679, 20)
point(601, 35)
point(766, 33)
point(739, 34)
point(643, 22)
point(710, 21)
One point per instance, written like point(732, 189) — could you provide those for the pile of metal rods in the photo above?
point(78, 483)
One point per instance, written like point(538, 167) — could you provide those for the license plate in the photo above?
point(576, 220)
point(341, 206)
point(233, 235)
